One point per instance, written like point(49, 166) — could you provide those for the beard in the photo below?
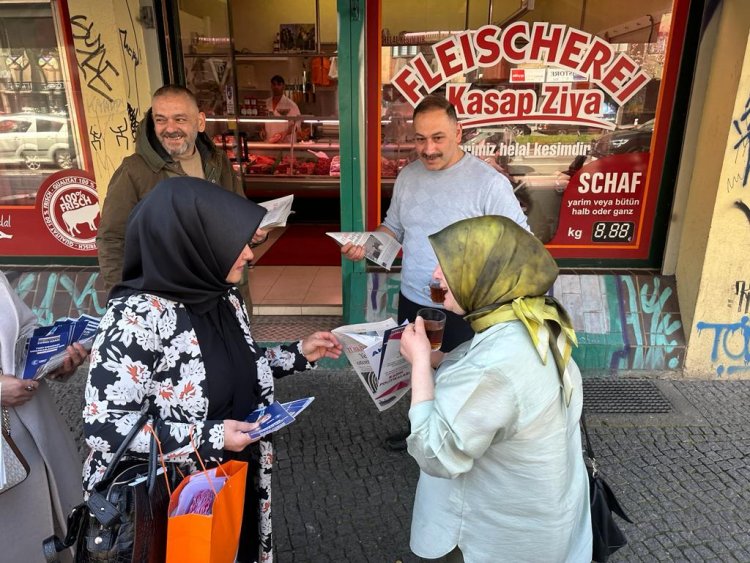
point(168, 141)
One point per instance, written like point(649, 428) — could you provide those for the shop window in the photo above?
point(562, 98)
point(35, 137)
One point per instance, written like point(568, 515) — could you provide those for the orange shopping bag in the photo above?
point(212, 537)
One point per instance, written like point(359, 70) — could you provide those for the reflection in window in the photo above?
point(538, 156)
point(35, 133)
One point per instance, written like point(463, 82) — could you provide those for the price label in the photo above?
point(612, 231)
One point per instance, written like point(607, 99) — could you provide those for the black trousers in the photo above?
point(457, 330)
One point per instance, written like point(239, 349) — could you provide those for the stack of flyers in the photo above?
point(276, 415)
point(44, 350)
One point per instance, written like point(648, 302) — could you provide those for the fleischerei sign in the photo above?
point(586, 57)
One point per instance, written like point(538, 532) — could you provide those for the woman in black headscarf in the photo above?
point(495, 430)
point(176, 340)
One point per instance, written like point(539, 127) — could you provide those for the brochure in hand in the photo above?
point(276, 415)
point(279, 210)
point(44, 350)
point(374, 350)
point(380, 247)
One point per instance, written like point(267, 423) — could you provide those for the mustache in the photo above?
point(176, 135)
point(431, 156)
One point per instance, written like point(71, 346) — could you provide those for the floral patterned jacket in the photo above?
point(146, 355)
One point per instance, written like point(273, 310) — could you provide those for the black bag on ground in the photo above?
point(124, 519)
point(607, 535)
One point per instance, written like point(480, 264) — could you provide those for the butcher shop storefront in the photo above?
point(48, 199)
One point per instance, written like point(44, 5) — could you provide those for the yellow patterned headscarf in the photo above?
point(499, 272)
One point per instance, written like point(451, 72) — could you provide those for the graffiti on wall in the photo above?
point(742, 291)
point(54, 295)
point(657, 333)
point(110, 62)
point(730, 349)
point(742, 127)
point(644, 330)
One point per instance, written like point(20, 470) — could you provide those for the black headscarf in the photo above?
point(181, 242)
point(183, 238)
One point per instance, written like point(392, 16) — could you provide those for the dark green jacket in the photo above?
point(136, 176)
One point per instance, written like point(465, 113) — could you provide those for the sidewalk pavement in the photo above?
point(340, 496)
point(682, 477)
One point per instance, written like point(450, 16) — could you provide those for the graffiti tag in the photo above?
point(96, 65)
point(742, 125)
point(731, 345)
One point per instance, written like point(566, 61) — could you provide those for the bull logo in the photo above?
point(86, 214)
point(70, 209)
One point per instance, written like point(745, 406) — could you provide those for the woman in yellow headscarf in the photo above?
point(495, 429)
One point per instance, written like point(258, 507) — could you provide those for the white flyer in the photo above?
point(380, 248)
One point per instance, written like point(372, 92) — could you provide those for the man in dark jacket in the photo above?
point(170, 142)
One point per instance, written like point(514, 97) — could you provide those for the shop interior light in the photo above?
point(257, 120)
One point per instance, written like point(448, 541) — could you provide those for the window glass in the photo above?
point(551, 97)
point(34, 139)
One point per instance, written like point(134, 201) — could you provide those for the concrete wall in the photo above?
point(623, 322)
point(713, 278)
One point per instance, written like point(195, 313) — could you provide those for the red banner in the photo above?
point(63, 221)
point(603, 209)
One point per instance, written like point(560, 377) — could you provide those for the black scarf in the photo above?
point(181, 242)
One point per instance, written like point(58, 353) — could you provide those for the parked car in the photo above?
point(633, 139)
point(34, 139)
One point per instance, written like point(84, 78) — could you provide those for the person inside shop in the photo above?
point(280, 105)
point(38, 506)
point(178, 322)
point(495, 429)
point(171, 141)
point(443, 186)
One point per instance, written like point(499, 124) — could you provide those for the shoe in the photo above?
point(397, 442)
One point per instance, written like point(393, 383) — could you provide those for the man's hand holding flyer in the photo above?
point(380, 247)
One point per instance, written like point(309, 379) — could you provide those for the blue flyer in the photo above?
point(271, 418)
point(296, 407)
point(276, 415)
point(45, 350)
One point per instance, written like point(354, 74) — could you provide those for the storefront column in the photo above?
point(352, 140)
point(113, 63)
point(713, 279)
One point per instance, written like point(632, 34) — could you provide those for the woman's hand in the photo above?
point(259, 237)
point(76, 356)
point(236, 434)
point(415, 346)
point(16, 392)
point(321, 345)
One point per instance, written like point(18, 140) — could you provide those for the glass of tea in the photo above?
point(437, 293)
point(434, 325)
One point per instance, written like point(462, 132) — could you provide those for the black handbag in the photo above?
point(607, 535)
point(124, 519)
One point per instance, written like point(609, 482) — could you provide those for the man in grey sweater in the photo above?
point(443, 186)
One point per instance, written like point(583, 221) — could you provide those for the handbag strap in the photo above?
point(589, 448)
point(109, 474)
